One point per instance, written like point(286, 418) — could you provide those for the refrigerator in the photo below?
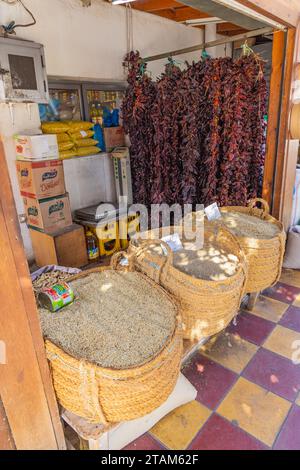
point(82, 100)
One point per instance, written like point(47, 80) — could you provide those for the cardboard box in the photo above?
point(41, 180)
point(36, 147)
point(114, 137)
point(63, 247)
point(48, 214)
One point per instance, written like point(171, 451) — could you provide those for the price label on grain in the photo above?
point(56, 297)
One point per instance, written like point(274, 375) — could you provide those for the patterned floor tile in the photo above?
point(177, 430)
point(211, 380)
point(283, 341)
point(296, 302)
point(289, 437)
point(144, 442)
point(283, 293)
point(269, 309)
point(230, 351)
point(254, 409)
point(275, 373)
point(291, 318)
point(220, 434)
point(252, 328)
point(290, 277)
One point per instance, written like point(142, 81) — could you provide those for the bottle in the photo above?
point(92, 246)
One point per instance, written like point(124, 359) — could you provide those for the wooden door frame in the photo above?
point(26, 391)
point(280, 163)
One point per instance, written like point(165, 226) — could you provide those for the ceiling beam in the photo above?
point(214, 8)
point(286, 12)
point(155, 5)
point(181, 14)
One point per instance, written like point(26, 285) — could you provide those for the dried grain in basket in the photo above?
point(264, 256)
point(103, 395)
point(206, 306)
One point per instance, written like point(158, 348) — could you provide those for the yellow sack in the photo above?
point(86, 142)
point(67, 154)
point(84, 151)
point(63, 138)
point(78, 135)
point(65, 146)
point(79, 125)
point(55, 127)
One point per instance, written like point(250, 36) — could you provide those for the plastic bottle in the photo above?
point(92, 246)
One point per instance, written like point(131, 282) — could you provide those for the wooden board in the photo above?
point(25, 383)
point(285, 112)
point(6, 440)
point(274, 114)
point(66, 247)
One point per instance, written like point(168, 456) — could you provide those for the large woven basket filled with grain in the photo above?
point(208, 281)
point(115, 352)
point(262, 239)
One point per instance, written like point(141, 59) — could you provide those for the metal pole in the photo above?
point(218, 42)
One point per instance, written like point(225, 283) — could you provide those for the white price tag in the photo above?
point(173, 241)
point(83, 134)
point(212, 212)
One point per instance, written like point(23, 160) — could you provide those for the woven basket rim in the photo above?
point(267, 217)
point(161, 352)
point(230, 280)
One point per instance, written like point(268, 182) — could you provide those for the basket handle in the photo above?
point(265, 206)
point(117, 257)
point(169, 256)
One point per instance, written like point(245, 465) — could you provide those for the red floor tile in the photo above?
point(289, 437)
point(275, 373)
point(283, 293)
point(291, 319)
point(251, 328)
point(145, 442)
point(220, 434)
point(211, 380)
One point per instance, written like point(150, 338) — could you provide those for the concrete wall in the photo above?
point(88, 43)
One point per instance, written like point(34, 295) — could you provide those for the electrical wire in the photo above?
point(10, 29)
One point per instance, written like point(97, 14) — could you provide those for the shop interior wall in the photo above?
point(88, 43)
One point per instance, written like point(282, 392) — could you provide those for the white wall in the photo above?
point(91, 42)
point(88, 43)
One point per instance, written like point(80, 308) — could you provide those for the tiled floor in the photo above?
point(248, 383)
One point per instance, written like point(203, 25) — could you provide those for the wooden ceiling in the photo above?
point(179, 12)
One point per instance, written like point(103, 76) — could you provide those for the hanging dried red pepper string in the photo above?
point(198, 135)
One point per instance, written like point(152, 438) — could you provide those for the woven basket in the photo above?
point(264, 257)
point(103, 395)
point(206, 307)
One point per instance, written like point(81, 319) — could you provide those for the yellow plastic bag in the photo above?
point(67, 154)
point(78, 135)
point(75, 126)
point(63, 138)
point(55, 127)
point(65, 146)
point(86, 142)
point(84, 151)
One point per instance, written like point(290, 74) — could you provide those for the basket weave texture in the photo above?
point(206, 306)
point(264, 256)
point(103, 395)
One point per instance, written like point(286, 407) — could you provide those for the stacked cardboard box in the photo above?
point(46, 202)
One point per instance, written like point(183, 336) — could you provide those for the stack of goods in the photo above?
point(66, 145)
point(75, 138)
point(262, 239)
point(208, 280)
point(46, 202)
point(115, 352)
point(82, 134)
point(197, 135)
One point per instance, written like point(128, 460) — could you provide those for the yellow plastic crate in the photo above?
point(108, 237)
